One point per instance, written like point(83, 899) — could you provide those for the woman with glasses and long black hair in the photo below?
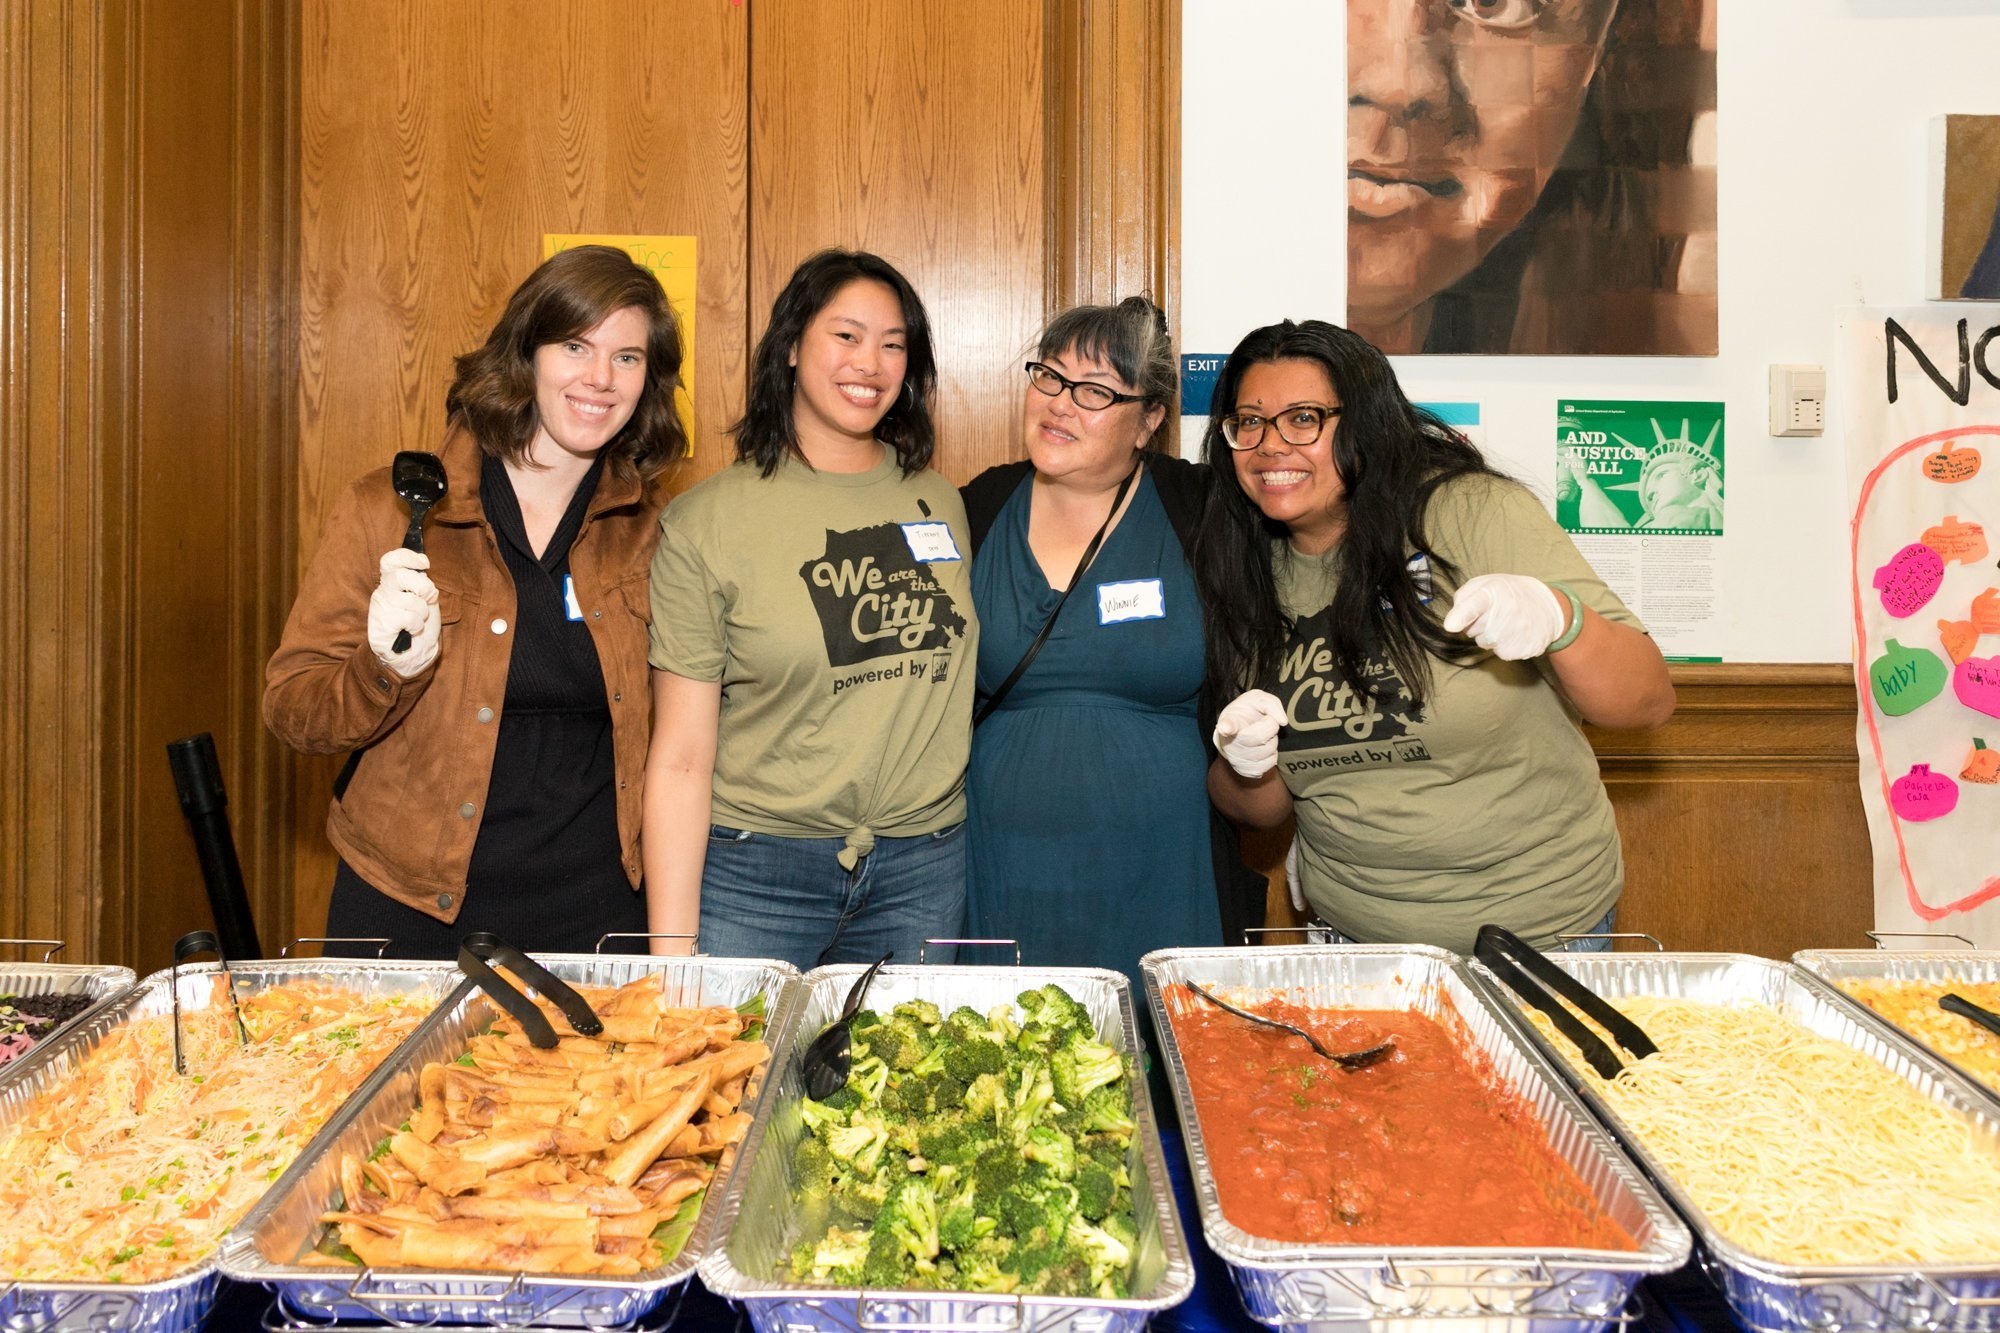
point(1411, 643)
point(1091, 834)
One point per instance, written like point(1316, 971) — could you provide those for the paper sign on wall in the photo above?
point(671, 260)
point(1639, 489)
point(1923, 432)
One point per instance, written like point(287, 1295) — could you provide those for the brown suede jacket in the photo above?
point(408, 817)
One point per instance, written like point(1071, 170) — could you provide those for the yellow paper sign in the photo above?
point(671, 260)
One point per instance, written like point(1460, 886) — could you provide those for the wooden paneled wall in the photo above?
point(240, 243)
point(145, 454)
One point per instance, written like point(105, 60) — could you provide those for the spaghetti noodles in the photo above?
point(125, 1171)
point(1913, 1007)
point(1798, 1148)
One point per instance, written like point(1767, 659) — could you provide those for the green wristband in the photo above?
point(1575, 619)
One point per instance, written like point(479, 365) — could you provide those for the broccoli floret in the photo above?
point(1050, 1013)
point(1107, 1256)
point(836, 1257)
point(859, 1144)
point(996, 1170)
point(888, 1265)
point(866, 1078)
point(1036, 1214)
point(985, 1098)
point(960, 1226)
point(820, 1118)
point(813, 1168)
point(964, 1023)
point(1053, 1149)
point(911, 1216)
point(943, 1139)
point(1096, 1190)
point(843, 1100)
point(921, 1012)
point(966, 1059)
point(1000, 1021)
point(895, 1044)
point(935, 1094)
point(861, 1197)
point(863, 1024)
point(1109, 1111)
point(1083, 1066)
point(1030, 1092)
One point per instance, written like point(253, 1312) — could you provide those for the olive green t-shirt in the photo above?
point(1486, 805)
point(836, 610)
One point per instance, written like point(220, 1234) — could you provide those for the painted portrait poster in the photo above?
point(1966, 254)
point(1532, 177)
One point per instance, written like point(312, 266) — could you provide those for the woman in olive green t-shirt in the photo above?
point(812, 643)
point(1414, 640)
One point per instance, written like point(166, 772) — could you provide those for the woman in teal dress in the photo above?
point(1091, 836)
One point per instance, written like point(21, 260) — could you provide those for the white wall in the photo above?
point(1823, 156)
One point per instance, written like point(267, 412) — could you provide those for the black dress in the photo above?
point(546, 871)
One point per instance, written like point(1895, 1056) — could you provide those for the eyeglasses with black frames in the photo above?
point(1089, 396)
point(1299, 425)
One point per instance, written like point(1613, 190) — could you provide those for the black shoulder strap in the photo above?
point(985, 710)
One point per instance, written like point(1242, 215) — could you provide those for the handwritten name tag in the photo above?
point(1136, 599)
point(931, 541)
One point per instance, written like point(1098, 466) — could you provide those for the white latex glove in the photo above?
point(1292, 877)
point(1246, 732)
point(405, 599)
point(1510, 615)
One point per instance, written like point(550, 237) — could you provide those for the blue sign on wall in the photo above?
point(1199, 371)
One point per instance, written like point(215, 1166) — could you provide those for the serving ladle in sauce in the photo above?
point(1345, 1059)
point(823, 1068)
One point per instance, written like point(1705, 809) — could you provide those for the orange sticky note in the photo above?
point(1986, 611)
point(1960, 638)
point(1952, 465)
point(1954, 540)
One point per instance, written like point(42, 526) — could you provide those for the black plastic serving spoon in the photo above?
point(418, 478)
point(1964, 1008)
point(1345, 1059)
point(825, 1064)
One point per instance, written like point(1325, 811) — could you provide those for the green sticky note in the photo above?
point(1905, 679)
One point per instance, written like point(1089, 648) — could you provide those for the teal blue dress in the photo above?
point(1086, 799)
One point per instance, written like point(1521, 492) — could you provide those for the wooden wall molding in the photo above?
point(1114, 152)
point(145, 290)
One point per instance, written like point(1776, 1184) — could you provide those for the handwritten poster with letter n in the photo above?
point(1922, 388)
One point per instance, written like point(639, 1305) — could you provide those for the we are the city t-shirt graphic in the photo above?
point(1328, 723)
point(876, 600)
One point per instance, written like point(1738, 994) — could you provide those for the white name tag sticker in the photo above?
point(1136, 599)
point(931, 541)
point(571, 607)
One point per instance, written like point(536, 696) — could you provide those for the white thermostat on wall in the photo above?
point(1798, 400)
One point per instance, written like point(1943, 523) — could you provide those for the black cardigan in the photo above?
point(1183, 488)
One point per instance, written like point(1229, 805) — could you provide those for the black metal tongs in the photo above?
point(480, 945)
point(194, 942)
point(1524, 970)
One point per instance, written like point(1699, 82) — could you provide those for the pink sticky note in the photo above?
point(1910, 579)
point(1976, 682)
point(1921, 794)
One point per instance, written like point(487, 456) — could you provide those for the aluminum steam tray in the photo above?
point(1287, 1283)
point(101, 984)
point(268, 1244)
point(179, 1302)
point(761, 1225)
point(1767, 1296)
point(1947, 967)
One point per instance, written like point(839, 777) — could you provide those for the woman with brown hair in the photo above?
point(491, 691)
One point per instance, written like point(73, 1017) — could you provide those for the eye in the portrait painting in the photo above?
point(1505, 15)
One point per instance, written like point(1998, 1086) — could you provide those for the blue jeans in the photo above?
point(769, 897)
